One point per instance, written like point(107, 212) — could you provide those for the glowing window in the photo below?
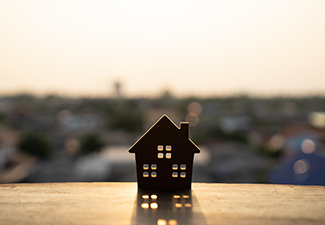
point(154, 196)
point(188, 205)
point(145, 166)
point(177, 196)
point(168, 147)
point(174, 174)
point(178, 205)
point(160, 155)
point(145, 205)
point(183, 166)
point(154, 174)
point(145, 174)
point(175, 166)
point(168, 155)
point(154, 205)
point(183, 174)
point(145, 196)
point(186, 196)
point(153, 166)
point(160, 147)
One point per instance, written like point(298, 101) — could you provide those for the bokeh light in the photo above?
point(192, 118)
point(308, 146)
point(63, 116)
point(276, 142)
point(301, 166)
point(317, 119)
point(194, 107)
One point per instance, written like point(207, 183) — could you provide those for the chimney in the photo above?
point(184, 129)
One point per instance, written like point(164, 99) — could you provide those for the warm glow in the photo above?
point(177, 196)
point(188, 205)
point(145, 205)
point(154, 196)
point(190, 47)
point(154, 205)
point(172, 222)
point(145, 196)
point(161, 222)
point(178, 205)
point(185, 196)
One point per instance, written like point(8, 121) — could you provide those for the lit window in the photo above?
point(160, 155)
point(145, 166)
point(183, 166)
point(174, 174)
point(145, 174)
point(177, 196)
point(168, 155)
point(145, 196)
point(154, 205)
point(175, 166)
point(154, 196)
point(160, 147)
point(144, 205)
point(178, 205)
point(168, 147)
point(183, 174)
point(153, 166)
point(153, 174)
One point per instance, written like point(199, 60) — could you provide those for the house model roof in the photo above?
point(165, 130)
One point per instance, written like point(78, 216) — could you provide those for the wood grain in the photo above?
point(118, 203)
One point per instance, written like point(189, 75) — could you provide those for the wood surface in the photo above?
point(122, 203)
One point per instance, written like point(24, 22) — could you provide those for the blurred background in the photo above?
point(81, 81)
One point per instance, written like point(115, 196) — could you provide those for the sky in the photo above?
point(203, 48)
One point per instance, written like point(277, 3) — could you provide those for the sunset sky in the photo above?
point(187, 47)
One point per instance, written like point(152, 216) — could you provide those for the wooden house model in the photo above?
point(164, 156)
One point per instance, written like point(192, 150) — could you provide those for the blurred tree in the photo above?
point(36, 143)
point(126, 117)
point(91, 143)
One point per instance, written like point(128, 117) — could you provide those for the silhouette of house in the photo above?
point(164, 156)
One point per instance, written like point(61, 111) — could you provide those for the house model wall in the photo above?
point(164, 156)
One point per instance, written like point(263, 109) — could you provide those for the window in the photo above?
point(168, 147)
point(183, 174)
point(153, 174)
point(145, 174)
point(160, 147)
point(175, 166)
point(174, 174)
point(145, 166)
point(160, 155)
point(183, 166)
point(168, 155)
point(153, 166)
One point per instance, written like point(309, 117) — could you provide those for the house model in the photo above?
point(164, 156)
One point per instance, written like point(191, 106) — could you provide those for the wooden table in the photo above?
point(122, 203)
